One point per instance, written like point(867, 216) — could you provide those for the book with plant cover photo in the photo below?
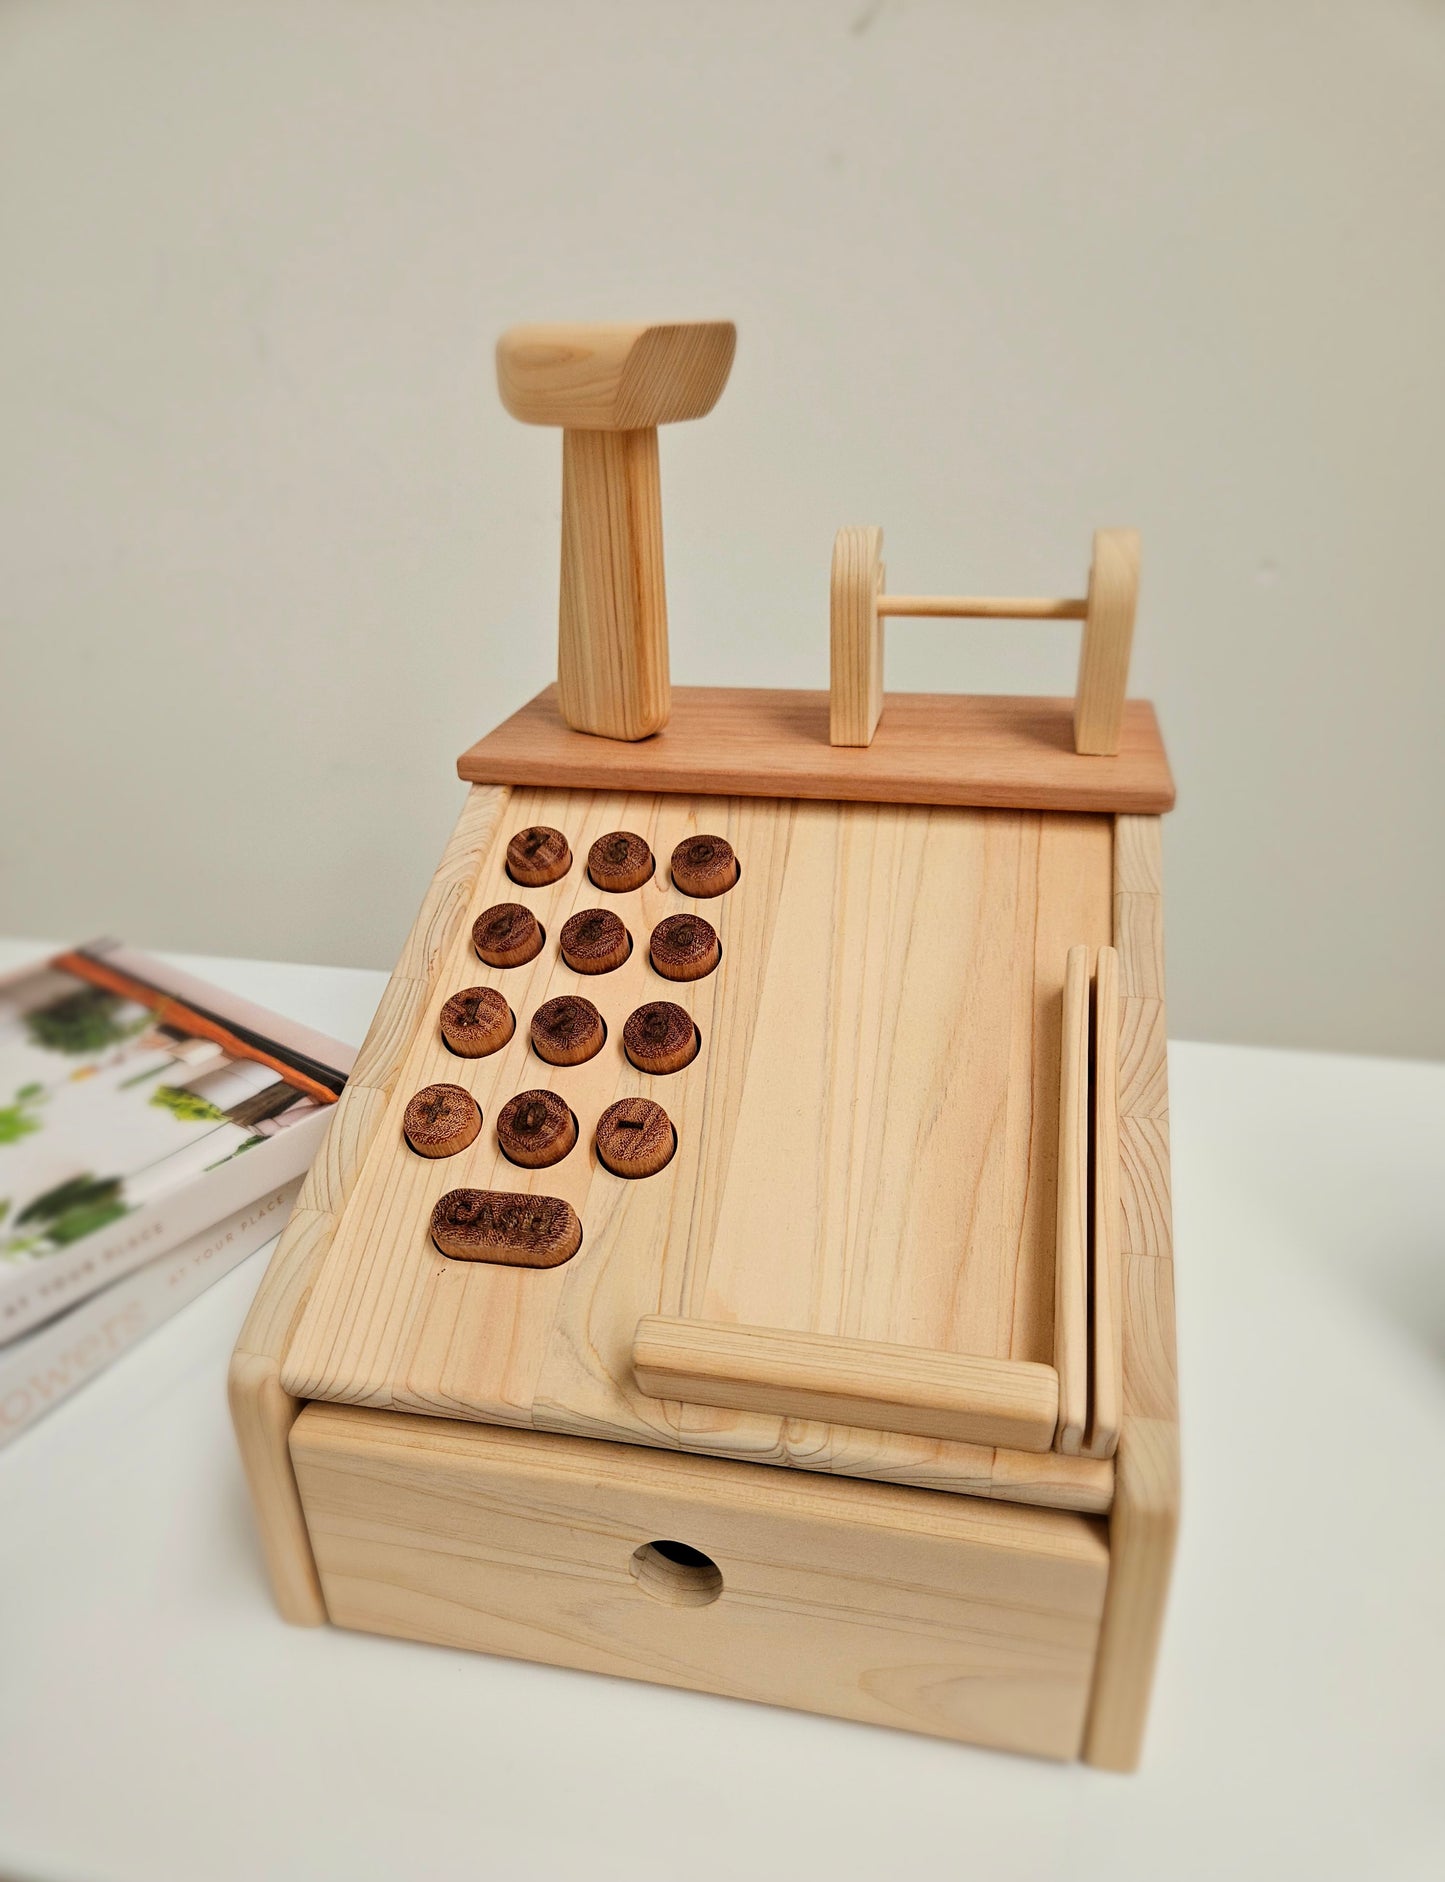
point(138, 1107)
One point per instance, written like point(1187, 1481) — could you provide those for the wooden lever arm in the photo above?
point(854, 1382)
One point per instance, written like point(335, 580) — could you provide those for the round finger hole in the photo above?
point(685, 947)
point(676, 1573)
point(440, 1120)
point(507, 935)
point(704, 865)
point(536, 1129)
point(661, 1037)
point(594, 941)
point(635, 1138)
point(476, 1021)
point(538, 856)
point(568, 1030)
point(620, 861)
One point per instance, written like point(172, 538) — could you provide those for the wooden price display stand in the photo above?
point(741, 1258)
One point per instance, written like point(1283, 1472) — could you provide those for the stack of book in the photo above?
point(154, 1131)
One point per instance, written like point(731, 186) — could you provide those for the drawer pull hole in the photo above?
point(671, 1571)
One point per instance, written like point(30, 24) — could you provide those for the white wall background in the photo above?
point(272, 554)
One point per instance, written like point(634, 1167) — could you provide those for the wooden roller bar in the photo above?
point(986, 607)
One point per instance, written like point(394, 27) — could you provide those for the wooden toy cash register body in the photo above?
point(833, 1365)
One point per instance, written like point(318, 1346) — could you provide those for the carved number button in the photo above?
point(704, 865)
point(620, 861)
point(476, 1021)
point(594, 941)
point(507, 935)
point(538, 856)
point(441, 1120)
point(660, 1037)
point(536, 1129)
point(635, 1138)
point(567, 1030)
point(685, 947)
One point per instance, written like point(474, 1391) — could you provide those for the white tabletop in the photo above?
point(158, 1721)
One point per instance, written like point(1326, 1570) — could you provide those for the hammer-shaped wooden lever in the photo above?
point(609, 388)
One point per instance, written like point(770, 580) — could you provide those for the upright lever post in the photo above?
point(609, 388)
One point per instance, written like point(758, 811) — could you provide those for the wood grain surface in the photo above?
point(1107, 639)
point(855, 636)
point(1144, 1520)
point(866, 1139)
point(614, 375)
point(1071, 1230)
point(938, 1614)
point(612, 657)
point(262, 1411)
point(930, 748)
point(1106, 1324)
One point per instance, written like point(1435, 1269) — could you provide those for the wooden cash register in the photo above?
point(741, 1258)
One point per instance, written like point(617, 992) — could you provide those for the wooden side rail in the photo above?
point(1006, 1402)
point(858, 608)
point(1071, 1246)
point(1087, 1330)
point(1106, 1353)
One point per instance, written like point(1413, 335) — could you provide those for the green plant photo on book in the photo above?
point(62, 1215)
point(185, 1106)
point(86, 1021)
point(18, 1120)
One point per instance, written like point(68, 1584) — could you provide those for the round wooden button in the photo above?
point(476, 1021)
point(660, 1037)
point(635, 1138)
point(535, 1129)
point(567, 1030)
point(620, 861)
point(507, 935)
point(704, 865)
point(685, 947)
point(538, 856)
point(594, 941)
point(441, 1120)
point(516, 1231)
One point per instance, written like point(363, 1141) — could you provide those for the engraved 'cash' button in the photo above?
point(517, 1231)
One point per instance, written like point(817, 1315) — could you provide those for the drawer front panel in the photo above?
point(948, 1615)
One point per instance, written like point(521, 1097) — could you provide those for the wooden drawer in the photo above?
point(942, 1614)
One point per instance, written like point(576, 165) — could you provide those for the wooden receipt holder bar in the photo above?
point(859, 606)
point(853, 1389)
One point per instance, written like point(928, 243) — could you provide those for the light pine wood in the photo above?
point(621, 376)
point(854, 1382)
point(262, 1410)
point(1071, 1274)
point(855, 692)
point(930, 748)
point(858, 608)
point(1144, 1520)
point(927, 1124)
point(1106, 1361)
point(937, 1614)
point(612, 670)
point(1108, 637)
point(984, 607)
point(609, 388)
